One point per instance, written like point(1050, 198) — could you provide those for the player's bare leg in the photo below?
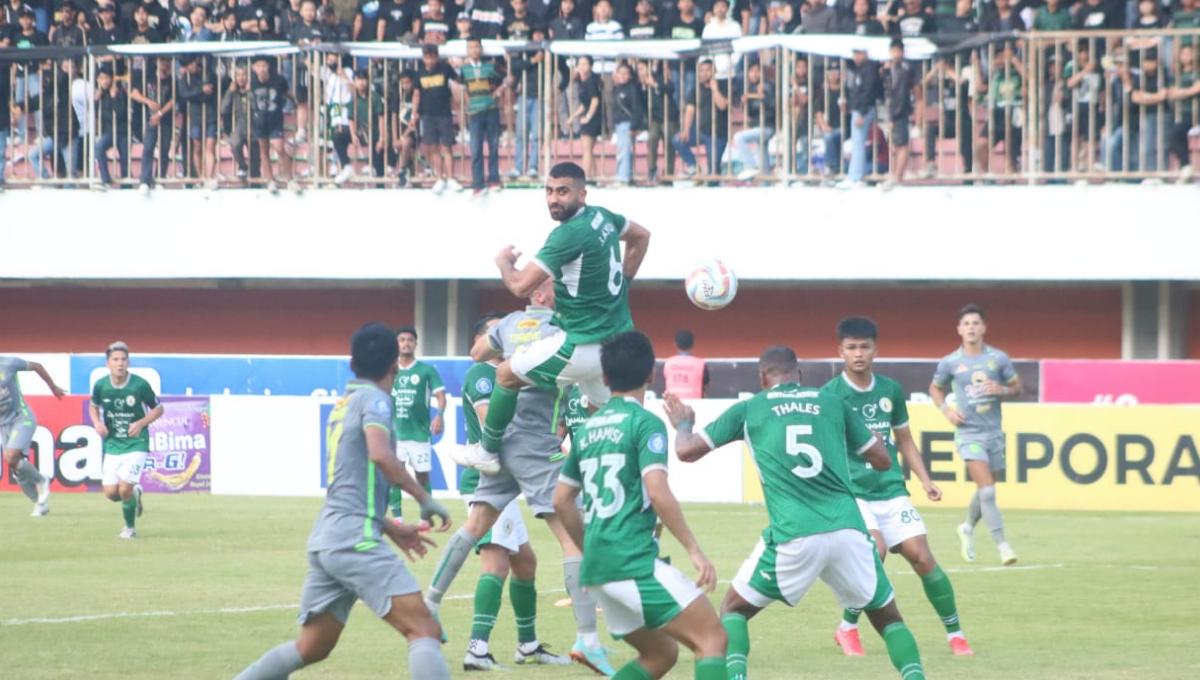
point(846, 635)
point(698, 628)
point(938, 590)
point(410, 617)
point(129, 496)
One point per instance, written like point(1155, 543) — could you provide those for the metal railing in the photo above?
point(1034, 107)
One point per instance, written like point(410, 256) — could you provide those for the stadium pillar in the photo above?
point(1154, 320)
point(443, 313)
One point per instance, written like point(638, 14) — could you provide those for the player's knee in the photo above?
point(524, 564)
point(987, 493)
point(12, 457)
point(314, 651)
point(661, 660)
point(713, 642)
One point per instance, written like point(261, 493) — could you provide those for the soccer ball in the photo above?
point(712, 285)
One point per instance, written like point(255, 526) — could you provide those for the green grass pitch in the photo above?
point(212, 582)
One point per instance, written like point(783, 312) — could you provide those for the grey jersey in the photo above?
point(536, 418)
point(967, 375)
point(12, 404)
point(356, 500)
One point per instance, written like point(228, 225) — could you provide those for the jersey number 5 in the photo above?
point(796, 447)
point(612, 464)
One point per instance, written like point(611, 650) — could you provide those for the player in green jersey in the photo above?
point(980, 377)
point(582, 255)
point(882, 496)
point(122, 407)
point(17, 427)
point(804, 442)
point(416, 383)
point(502, 550)
point(618, 462)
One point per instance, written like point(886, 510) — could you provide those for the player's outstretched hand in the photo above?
point(409, 539)
point(706, 578)
point(677, 411)
point(932, 491)
point(507, 256)
point(430, 508)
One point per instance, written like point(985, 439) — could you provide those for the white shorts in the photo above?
point(650, 602)
point(509, 531)
point(844, 559)
point(125, 467)
point(417, 454)
point(895, 519)
point(553, 362)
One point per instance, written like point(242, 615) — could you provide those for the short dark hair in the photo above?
point(972, 309)
point(568, 170)
point(778, 359)
point(481, 326)
point(362, 73)
point(430, 49)
point(373, 351)
point(684, 339)
point(118, 346)
point(627, 360)
point(473, 39)
point(411, 330)
point(896, 42)
point(857, 327)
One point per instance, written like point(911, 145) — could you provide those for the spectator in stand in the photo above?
point(238, 107)
point(662, 116)
point(231, 29)
point(518, 25)
point(462, 27)
point(67, 32)
point(337, 81)
point(721, 27)
point(258, 19)
point(484, 81)
point(435, 25)
point(26, 84)
point(1053, 16)
point(567, 26)
point(197, 88)
point(1151, 86)
point(684, 24)
point(288, 15)
point(160, 18)
point(396, 18)
point(604, 27)
point(831, 117)
point(1120, 148)
point(179, 21)
point(523, 83)
point(1055, 117)
point(487, 19)
point(199, 30)
point(112, 125)
point(1149, 16)
point(589, 113)
point(705, 121)
point(783, 19)
point(753, 14)
point(1006, 18)
point(948, 90)
point(645, 24)
point(861, 22)
point(333, 28)
point(685, 375)
point(1005, 89)
point(962, 22)
point(307, 30)
point(1185, 96)
point(818, 18)
point(140, 31)
point(1186, 16)
point(864, 89)
point(914, 20)
point(61, 144)
point(432, 101)
point(157, 93)
point(269, 94)
point(1085, 85)
point(799, 110)
point(401, 127)
point(629, 116)
point(760, 124)
point(902, 84)
point(303, 30)
point(366, 18)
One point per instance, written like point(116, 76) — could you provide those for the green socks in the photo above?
point(851, 615)
point(738, 649)
point(523, 596)
point(129, 510)
point(902, 649)
point(394, 496)
point(488, 593)
point(633, 671)
point(711, 668)
point(501, 407)
point(941, 596)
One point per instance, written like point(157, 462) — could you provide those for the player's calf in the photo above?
point(901, 645)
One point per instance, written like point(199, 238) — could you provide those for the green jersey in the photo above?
point(881, 406)
point(583, 256)
point(576, 411)
point(481, 81)
point(613, 450)
point(799, 437)
point(477, 390)
point(412, 390)
point(120, 407)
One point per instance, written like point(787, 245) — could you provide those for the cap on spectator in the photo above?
point(860, 48)
point(362, 73)
point(430, 49)
point(110, 7)
point(26, 11)
point(105, 70)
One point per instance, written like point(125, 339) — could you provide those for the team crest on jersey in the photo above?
point(885, 405)
point(483, 386)
point(868, 411)
point(657, 443)
point(527, 324)
point(129, 400)
point(415, 379)
point(962, 368)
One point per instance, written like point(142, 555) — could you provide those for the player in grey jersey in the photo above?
point(979, 376)
point(17, 427)
point(530, 461)
point(347, 558)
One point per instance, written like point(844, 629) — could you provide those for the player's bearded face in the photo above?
point(563, 197)
point(407, 345)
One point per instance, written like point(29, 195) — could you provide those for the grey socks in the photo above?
point(458, 548)
point(29, 478)
point(277, 664)
point(582, 602)
point(991, 512)
point(425, 660)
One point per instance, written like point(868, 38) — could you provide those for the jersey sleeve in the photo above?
point(96, 392)
point(495, 338)
point(569, 473)
point(377, 413)
point(559, 249)
point(858, 437)
point(148, 397)
point(619, 221)
point(730, 426)
point(435, 380)
point(899, 407)
point(942, 374)
point(14, 364)
point(478, 388)
point(651, 444)
point(1006, 369)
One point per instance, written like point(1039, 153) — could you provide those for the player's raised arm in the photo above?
point(45, 376)
point(689, 446)
point(519, 282)
point(484, 350)
point(379, 450)
point(637, 242)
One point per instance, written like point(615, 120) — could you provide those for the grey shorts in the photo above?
point(438, 131)
point(988, 447)
point(336, 578)
point(18, 435)
point(524, 470)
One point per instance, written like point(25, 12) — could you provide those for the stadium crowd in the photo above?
point(1009, 92)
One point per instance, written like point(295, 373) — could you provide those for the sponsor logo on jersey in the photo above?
point(483, 386)
point(527, 324)
point(129, 400)
point(962, 368)
point(869, 412)
point(885, 405)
